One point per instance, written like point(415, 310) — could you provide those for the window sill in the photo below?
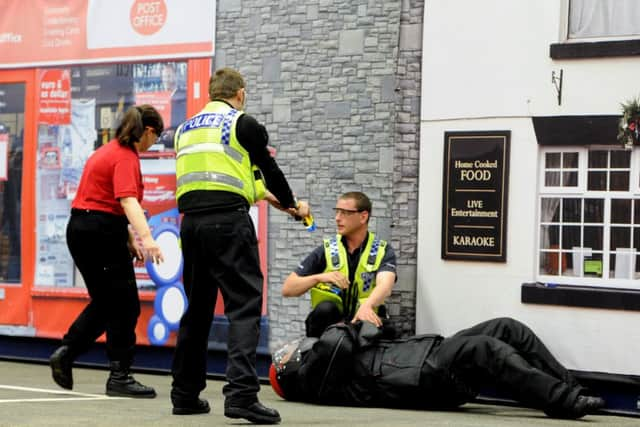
point(581, 296)
point(603, 49)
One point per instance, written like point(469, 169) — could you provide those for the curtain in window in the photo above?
point(548, 213)
point(602, 18)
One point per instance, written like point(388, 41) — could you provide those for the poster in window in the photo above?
point(475, 181)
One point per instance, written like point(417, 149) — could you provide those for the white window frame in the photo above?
point(635, 172)
point(582, 171)
point(580, 192)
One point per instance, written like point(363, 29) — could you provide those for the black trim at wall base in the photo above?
point(580, 296)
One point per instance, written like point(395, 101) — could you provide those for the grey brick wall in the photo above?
point(337, 83)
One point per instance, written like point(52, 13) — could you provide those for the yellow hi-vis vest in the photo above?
point(365, 278)
point(210, 157)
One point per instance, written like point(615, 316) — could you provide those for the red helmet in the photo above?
point(273, 379)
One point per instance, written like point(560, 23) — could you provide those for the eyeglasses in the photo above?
point(346, 212)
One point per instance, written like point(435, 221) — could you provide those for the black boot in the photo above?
point(256, 412)
point(121, 383)
point(583, 405)
point(61, 361)
point(188, 403)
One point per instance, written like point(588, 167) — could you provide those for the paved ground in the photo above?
point(28, 397)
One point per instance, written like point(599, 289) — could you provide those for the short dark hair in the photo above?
point(363, 204)
point(224, 84)
point(134, 122)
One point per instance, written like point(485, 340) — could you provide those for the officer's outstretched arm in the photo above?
point(384, 285)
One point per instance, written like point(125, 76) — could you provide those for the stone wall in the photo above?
point(337, 83)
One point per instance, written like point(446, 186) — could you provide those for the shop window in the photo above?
point(589, 231)
point(12, 105)
point(100, 94)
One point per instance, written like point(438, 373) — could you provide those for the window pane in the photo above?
point(552, 179)
point(621, 211)
point(567, 264)
point(571, 209)
point(549, 236)
point(636, 238)
point(550, 263)
point(570, 179)
point(12, 107)
point(636, 212)
point(598, 18)
point(597, 181)
point(100, 96)
point(570, 236)
point(593, 237)
point(574, 262)
point(550, 211)
point(621, 159)
point(619, 181)
point(594, 210)
point(552, 160)
point(620, 238)
point(622, 265)
point(570, 160)
point(598, 159)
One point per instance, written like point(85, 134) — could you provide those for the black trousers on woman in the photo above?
point(98, 244)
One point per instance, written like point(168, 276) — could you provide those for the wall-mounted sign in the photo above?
point(474, 217)
point(54, 32)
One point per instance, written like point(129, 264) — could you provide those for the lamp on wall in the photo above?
point(556, 79)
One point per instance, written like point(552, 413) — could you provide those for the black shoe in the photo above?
point(257, 413)
point(198, 406)
point(61, 362)
point(587, 405)
point(582, 406)
point(122, 384)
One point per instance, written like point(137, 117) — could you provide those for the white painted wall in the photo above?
point(486, 66)
point(490, 58)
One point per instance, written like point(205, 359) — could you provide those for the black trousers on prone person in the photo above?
point(220, 251)
point(98, 245)
point(504, 352)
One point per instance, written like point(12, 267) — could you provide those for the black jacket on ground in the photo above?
point(350, 365)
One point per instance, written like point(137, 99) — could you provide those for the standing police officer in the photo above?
point(219, 151)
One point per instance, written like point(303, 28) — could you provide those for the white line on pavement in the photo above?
point(59, 399)
point(46, 390)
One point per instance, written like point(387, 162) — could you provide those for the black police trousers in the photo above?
point(502, 352)
point(220, 251)
point(98, 245)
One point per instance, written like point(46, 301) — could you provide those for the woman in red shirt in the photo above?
point(102, 246)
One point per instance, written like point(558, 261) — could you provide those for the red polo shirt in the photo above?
point(111, 173)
